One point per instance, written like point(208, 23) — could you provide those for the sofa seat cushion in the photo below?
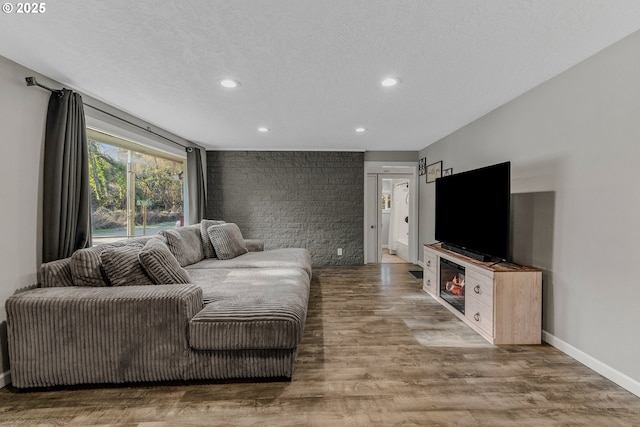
point(250, 309)
point(271, 258)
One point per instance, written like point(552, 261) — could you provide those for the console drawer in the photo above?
point(430, 262)
point(479, 314)
point(479, 287)
point(429, 282)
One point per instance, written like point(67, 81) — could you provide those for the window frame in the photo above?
point(108, 138)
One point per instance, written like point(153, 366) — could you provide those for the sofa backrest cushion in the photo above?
point(185, 243)
point(161, 265)
point(209, 251)
point(142, 240)
point(254, 245)
point(227, 240)
point(86, 268)
point(122, 267)
point(56, 273)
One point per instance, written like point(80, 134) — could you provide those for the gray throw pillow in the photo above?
point(209, 251)
point(185, 243)
point(160, 265)
point(122, 267)
point(86, 267)
point(227, 240)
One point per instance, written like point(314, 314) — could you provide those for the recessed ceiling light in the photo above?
point(360, 130)
point(263, 129)
point(228, 83)
point(389, 81)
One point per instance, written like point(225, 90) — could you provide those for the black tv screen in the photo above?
point(472, 210)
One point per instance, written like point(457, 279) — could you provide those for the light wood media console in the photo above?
point(503, 301)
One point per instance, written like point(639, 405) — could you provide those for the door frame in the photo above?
point(390, 170)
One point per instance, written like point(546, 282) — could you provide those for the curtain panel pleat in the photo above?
point(66, 219)
point(195, 186)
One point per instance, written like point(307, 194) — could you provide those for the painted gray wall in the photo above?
point(574, 146)
point(391, 156)
point(305, 199)
point(22, 124)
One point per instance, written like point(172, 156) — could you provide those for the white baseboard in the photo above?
point(603, 369)
point(421, 264)
point(5, 378)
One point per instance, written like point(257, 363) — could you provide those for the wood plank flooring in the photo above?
point(377, 351)
point(388, 258)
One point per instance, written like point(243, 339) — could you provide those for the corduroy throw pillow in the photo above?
point(160, 265)
point(122, 267)
point(227, 240)
point(207, 247)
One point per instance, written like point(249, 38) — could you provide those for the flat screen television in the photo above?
point(473, 210)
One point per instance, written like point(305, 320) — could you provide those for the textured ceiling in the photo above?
point(310, 70)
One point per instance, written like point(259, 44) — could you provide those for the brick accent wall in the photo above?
point(302, 199)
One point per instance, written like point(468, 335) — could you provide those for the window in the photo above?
point(386, 202)
point(135, 190)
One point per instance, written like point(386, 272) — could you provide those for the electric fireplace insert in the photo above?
point(452, 284)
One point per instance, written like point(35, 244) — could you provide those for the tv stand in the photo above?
point(462, 251)
point(502, 301)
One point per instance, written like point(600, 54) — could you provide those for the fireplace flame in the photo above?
point(455, 286)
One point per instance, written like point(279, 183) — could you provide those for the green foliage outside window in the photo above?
point(107, 178)
point(157, 180)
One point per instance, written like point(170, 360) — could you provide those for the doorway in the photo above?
point(394, 226)
point(391, 215)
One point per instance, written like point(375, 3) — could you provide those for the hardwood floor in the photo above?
point(388, 258)
point(376, 351)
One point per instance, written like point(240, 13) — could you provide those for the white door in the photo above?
point(372, 204)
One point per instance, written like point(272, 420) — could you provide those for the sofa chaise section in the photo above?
point(263, 309)
point(85, 335)
point(251, 324)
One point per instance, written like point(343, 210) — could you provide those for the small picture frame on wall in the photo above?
point(422, 166)
point(447, 172)
point(434, 171)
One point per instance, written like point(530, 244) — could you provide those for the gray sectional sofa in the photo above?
point(161, 309)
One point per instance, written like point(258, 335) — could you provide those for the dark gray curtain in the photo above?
point(195, 186)
point(66, 217)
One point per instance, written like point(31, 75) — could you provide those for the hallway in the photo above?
point(388, 258)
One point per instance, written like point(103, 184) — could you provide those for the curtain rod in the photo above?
point(31, 81)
